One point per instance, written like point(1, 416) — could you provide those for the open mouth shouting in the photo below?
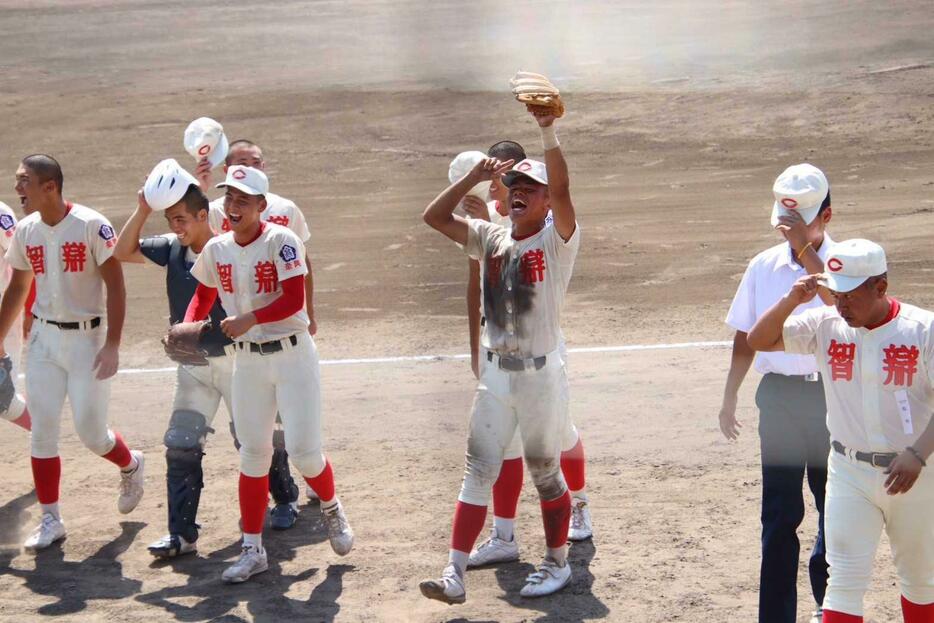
point(518, 207)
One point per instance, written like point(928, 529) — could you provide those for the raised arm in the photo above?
point(559, 185)
point(127, 249)
point(766, 334)
point(439, 214)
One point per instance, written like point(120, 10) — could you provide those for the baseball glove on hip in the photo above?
point(183, 343)
point(7, 391)
point(537, 93)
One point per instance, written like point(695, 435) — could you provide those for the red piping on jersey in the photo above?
point(518, 238)
point(262, 226)
point(289, 302)
point(30, 298)
point(201, 303)
point(894, 308)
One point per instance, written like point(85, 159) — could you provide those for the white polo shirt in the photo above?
point(769, 277)
point(878, 382)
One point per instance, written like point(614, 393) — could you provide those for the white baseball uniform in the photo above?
point(65, 260)
point(523, 383)
point(286, 377)
point(279, 210)
point(879, 386)
point(13, 344)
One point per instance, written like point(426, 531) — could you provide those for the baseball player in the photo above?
point(525, 273)
point(793, 435)
point(68, 249)
point(876, 356)
point(258, 270)
point(12, 405)
point(502, 546)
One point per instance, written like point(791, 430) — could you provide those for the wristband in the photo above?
point(917, 455)
point(549, 138)
point(804, 250)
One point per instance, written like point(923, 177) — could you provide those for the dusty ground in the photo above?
point(681, 114)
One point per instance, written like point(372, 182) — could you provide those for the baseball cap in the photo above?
point(462, 165)
point(801, 188)
point(247, 179)
point(852, 262)
point(205, 138)
point(532, 169)
point(167, 184)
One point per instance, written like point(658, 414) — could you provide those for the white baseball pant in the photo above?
point(201, 388)
point(13, 345)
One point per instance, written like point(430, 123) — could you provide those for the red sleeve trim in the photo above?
point(201, 303)
point(290, 302)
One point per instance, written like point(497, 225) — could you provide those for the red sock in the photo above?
point(46, 474)
point(254, 496)
point(119, 455)
point(507, 488)
point(556, 516)
point(468, 523)
point(323, 483)
point(24, 421)
point(917, 613)
point(831, 616)
point(572, 466)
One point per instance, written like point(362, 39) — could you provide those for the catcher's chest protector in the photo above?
point(181, 286)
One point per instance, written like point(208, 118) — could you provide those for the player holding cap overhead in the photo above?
point(523, 384)
point(877, 359)
point(12, 405)
point(68, 249)
point(793, 434)
point(258, 270)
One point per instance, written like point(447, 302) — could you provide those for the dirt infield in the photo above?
point(680, 116)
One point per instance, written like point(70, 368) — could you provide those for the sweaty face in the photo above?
point(184, 224)
point(243, 210)
point(30, 190)
point(860, 307)
point(528, 201)
point(246, 155)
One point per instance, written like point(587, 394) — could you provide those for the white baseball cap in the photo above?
point(167, 184)
point(532, 169)
point(247, 179)
point(462, 164)
point(205, 138)
point(801, 188)
point(852, 262)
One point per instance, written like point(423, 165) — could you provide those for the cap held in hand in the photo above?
point(205, 138)
point(800, 188)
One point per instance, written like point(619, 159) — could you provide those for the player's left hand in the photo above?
point(203, 174)
point(312, 326)
point(903, 472)
point(795, 231)
point(235, 326)
point(107, 361)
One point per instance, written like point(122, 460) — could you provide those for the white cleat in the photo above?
point(549, 578)
point(131, 485)
point(172, 545)
point(581, 527)
point(494, 550)
point(339, 532)
point(449, 588)
point(49, 530)
point(251, 562)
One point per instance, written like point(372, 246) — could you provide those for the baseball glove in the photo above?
point(537, 93)
point(7, 391)
point(183, 343)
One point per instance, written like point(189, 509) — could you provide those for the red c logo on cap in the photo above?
point(834, 265)
point(525, 166)
point(203, 151)
point(239, 174)
point(789, 203)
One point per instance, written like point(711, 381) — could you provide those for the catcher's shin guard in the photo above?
point(184, 477)
point(282, 486)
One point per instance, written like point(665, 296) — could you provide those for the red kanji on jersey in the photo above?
point(36, 257)
point(267, 279)
point(225, 226)
point(532, 266)
point(279, 219)
point(900, 364)
point(74, 255)
point(225, 274)
point(841, 361)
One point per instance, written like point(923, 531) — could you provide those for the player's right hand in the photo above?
point(488, 168)
point(475, 207)
point(141, 204)
point(729, 425)
point(203, 174)
point(805, 289)
point(475, 364)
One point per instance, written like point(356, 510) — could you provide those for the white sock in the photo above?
point(129, 469)
point(329, 504)
point(459, 560)
point(52, 509)
point(505, 528)
point(580, 495)
point(256, 540)
point(558, 554)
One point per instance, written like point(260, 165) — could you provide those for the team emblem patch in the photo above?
point(239, 174)
point(835, 265)
point(287, 253)
point(7, 222)
point(789, 203)
point(524, 166)
point(106, 232)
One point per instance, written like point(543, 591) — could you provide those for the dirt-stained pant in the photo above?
point(290, 381)
point(535, 402)
point(857, 510)
point(59, 363)
point(201, 388)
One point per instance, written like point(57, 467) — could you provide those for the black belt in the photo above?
point(267, 348)
point(71, 326)
point(876, 459)
point(516, 364)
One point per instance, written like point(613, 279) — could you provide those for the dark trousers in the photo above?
point(794, 442)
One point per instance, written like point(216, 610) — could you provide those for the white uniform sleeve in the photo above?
point(203, 269)
point(16, 254)
point(216, 217)
point(742, 314)
point(478, 231)
point(7, 226)
point(800, 332)
point(102, 239)
point(566, 252)
point(298, 224)
point(289, 254)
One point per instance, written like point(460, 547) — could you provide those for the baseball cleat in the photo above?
point(339, 532)
point(170, 546)
point(49, 530)
point(493, 550)
point(449, 588)
point(549, 578)
point(251, 562)
point(581, 527)
point(131, 485)
point(283, 516)
point(311, 495)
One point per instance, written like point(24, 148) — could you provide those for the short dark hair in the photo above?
point(46, 168)
point(195, 200)
point(825, 203)
point(240, 142)
point(507, 150)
